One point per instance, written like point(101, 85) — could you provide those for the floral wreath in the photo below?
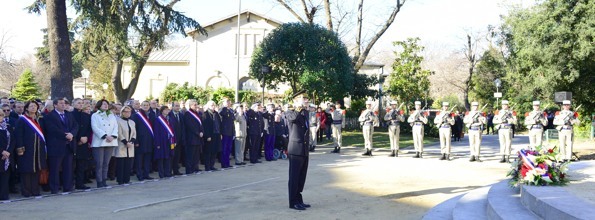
point(539, 167)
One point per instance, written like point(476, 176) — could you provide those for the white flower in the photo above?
point(530, 175)
point(539, 171)
point(564, 168)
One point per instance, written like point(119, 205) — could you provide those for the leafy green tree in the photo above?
point(175, 92)
point(490, 67)
point(109, 26)
point(248, 96)
point(221, 93)
point(305, 56)
point(452, 100)
point(26, 89)
point(408, 81)
point(550, 48)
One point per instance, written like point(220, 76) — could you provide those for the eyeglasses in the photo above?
point(6, 110)
point(125, 111)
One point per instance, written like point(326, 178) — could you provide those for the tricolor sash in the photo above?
point(195, 116)
point(35, 127)
point(165, 124)
point(146, 122)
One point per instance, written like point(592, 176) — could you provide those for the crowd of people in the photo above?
point(62, 145)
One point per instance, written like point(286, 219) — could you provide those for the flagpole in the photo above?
point(237, 98)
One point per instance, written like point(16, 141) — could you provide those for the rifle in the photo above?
point(537, 116)
point(450, 112)
point(567, 118)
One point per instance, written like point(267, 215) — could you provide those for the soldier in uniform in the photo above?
point(338, 123)
point(367, 120)
point(474, 120)
point(504, 119)
point(535, 122)
point(394, 117)
point(417, 121)
point(444, 121)
point(227, 132)
point(565, 120)
point(297, 149)
point(314, 123)
point(269, 132)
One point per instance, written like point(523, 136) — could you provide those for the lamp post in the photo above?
point(85, 73)
point(264, 70)
point(497, 83)
point(104, 89)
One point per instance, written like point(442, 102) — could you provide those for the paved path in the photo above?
point(346, 186)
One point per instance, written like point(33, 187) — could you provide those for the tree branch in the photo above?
point(361, 58)
point(291, 10)
point(358, 36)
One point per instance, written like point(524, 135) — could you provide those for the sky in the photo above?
point(439, 23)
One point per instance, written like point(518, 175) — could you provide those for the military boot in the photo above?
point(367, 153)
point(443, 157)
point(420, 154)
point(392, 153)
point(416, 155)
point(448, 157)
point(503, 160)
point(472, 158)
point(334, 150)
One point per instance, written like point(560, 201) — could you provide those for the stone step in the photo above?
point(442, 211)
point(473, 205)
point(504, 202)
point(558, 202)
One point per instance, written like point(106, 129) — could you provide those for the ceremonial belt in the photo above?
point(367, 123)
point(505, 126)
point(445, 126)
point(566, 127)
point(337, 122)
point(536, 127)
point(394, 123)
point(474, 128)
point(417, 123)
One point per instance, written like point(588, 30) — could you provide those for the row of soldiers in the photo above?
point(475, 120)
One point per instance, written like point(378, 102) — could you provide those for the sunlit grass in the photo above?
point(381, 139)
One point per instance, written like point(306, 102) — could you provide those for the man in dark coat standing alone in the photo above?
point(298, 152)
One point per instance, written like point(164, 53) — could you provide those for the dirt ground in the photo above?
point(345, 186)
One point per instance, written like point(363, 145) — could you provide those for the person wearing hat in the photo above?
point(314, 126)
point(367, 120)
point(565, 120)
point(474, 120)
point(394, 117)
point(297, 150)
point(504, 120)
point(337, 115)
point(444, 121)
point(417, 121)
point(255, 131)
point(535, 121)
point(269, 132)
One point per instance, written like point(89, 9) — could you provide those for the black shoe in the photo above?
point(503, 160)
point(13, 190)
point(416, 155)
point(477, 159)
point(367, 153)
point(443, 157)
point(297, 207)
point(83, 187)
point(448, 157)
point(149, 178)
point(177, 173)
point(243, 163)
point(420, 155)
point(392, 153)
point(239, 164)
point(306, 205)
point(334, 151)
point(396, 153)
point(472, 159)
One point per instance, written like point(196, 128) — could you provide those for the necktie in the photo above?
point(177, 117)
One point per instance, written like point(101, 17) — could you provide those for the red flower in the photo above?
point(561, 176)
point(524, 170)
point(549, 175)
point(550, 151)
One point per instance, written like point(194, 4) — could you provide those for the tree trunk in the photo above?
point(472, 60)
point(329, 18)
point(60, 53)
point(123, 94)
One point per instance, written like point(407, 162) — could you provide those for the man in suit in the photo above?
point(212, 135)
point(83, 155)
point(177, 124)
point(227, 130)
point(298, 152)
point(144, 141)
point(255, 132)
point(194, 137)
point(61, 129)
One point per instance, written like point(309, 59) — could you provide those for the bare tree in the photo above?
point(472, 57)
point(362, 47)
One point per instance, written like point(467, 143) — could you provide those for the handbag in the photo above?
point(44, 175)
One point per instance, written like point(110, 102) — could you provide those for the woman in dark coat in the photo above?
point(5, 150)
point(164, 142)
point(28, 135)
